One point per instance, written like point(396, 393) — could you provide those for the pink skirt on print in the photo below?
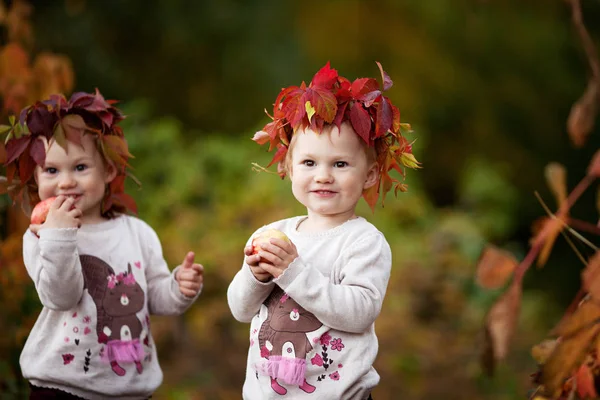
point(289, 370)
point(126, 351)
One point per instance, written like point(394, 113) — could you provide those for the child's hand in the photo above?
point(190, 276)
point(252, 260)
point(276, 256)
point(62, 214)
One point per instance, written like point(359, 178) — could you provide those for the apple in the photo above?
point(40, 211)
point(264, 236)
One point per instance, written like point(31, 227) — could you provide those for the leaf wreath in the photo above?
point(60, 120)
point(331, 99)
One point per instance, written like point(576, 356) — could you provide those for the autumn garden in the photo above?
point(495, 286)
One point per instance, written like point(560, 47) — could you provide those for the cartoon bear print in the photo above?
point(284, 343)
point(117, 298)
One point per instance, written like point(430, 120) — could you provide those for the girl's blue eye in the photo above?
point(51, 170)
point(80, 167)
point(341, 164)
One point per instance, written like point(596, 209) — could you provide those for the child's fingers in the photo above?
point(66, 204)
point(35, 228)
point(188, 260)
point(248, 250)
point(197, 269)
point(253, 259)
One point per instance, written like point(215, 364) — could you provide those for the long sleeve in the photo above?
point(52, 262)
point(354, 303)
point(164, 296)
point(246, 293)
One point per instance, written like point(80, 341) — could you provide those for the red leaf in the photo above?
point(279, 154)
point(361, 122)
point(323, 101)
point(38, 151)
point(40, 120)
point(384, 117)
point(371, 97)
point(15, 147)
point(325, 77)
point(11, 169)
point(363, 86)
point(278, 106)
point(26, 167)
point(293, 107)
point(339, 116)
point(2, 153)
point(387, 81)
point(585, 383)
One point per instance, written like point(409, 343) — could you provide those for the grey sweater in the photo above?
point(98, 285)
point(312, 329)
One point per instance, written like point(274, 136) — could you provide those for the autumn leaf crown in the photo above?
point(60, 120)
point(331, 99)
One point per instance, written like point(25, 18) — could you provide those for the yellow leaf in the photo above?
point(556, 177)
point(310, 110)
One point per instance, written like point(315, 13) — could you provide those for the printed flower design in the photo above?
point(317, 360)
point(325, 338)
point(67, 358)
point(336, 344)
point(335, 376)
point(284, 298)
point(87, 319)
point(75, 329)
point(264, 352)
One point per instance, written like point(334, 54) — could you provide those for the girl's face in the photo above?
point(329, 172)
point(80, 172)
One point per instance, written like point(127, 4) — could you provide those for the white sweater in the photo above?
point(312, 329)
point(98, 285)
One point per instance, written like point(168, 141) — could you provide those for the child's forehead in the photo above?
point(333, 139)
point(87, 147)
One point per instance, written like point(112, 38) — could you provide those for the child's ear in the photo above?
point(372, 176)
point(110, 173)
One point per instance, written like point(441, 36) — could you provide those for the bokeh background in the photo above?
point(486, 84)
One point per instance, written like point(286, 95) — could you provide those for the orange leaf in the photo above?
point(550, 231)
point(500, 323)
point(495, 267)
point(577, 333)
point(591, 276)
point(583, 114)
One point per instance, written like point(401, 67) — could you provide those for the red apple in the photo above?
point(40, 211)
point(264, 237)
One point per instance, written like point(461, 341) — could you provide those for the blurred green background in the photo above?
point(487, 86)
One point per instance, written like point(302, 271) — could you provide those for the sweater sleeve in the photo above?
point(164, 296)
point(52, 262)
point(245, 293)
point(354, 303)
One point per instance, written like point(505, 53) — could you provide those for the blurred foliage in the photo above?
point(487, 86)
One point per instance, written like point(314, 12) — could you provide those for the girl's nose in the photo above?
point(66, 181)
point(323, 175)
